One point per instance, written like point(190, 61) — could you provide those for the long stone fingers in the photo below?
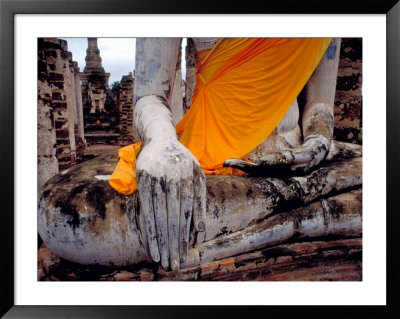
point(161, 219)
point(199, 204)
point(186, 211)
point(145, 193)
point(173, 207)
point(311, 152)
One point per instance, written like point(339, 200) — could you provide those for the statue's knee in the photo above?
point(82, 219)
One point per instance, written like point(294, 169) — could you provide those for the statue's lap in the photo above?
point(82, 219)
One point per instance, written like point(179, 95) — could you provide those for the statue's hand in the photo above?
point(172, 189)
point(300, 159)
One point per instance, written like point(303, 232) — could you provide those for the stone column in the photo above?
point(190, 73)
point(78, 103)
point(71, 81)
point(348, 99)
point(69, 98)
point(127, 129)
point(52, 51)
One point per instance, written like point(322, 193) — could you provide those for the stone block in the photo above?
point(208, 267)
point(284, 259)
point(146, 275)
point(124, 276)
point(226, 263)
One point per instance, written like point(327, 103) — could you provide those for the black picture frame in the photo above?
point(8, 8)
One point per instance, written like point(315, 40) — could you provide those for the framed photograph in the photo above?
point(22, 24)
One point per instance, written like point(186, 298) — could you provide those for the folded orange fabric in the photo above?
point(244, 87)
point(123, 179)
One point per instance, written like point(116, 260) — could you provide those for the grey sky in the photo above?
point(117, 54)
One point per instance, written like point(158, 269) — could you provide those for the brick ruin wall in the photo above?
point(47, 159)
point(127, 129)
point(59, 145)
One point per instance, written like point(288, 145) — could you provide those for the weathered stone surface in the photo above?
point(177, 95)
point(260, 197)
point(47, 160)
point(82, 219)
point(155, 72)
point(334, 216)
point(89, 219)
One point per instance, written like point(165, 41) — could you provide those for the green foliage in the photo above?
point(115, 88)
point(360, 134)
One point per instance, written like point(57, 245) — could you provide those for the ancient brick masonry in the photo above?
point(47, 160)
point(57, 109)
point(348, 92)
point(127, 130)
point(69, 89)
point(79, 130)
point(65, 147)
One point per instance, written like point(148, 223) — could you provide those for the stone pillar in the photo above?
point(78, 103)
point(72, 93)
point(127, 129)
point(57, 109)
point(47, 160)
point(69, 98)
point(52, 51)
point(348, 101)
point(190, 73)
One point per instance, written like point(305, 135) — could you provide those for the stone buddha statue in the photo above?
point(181, 217)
